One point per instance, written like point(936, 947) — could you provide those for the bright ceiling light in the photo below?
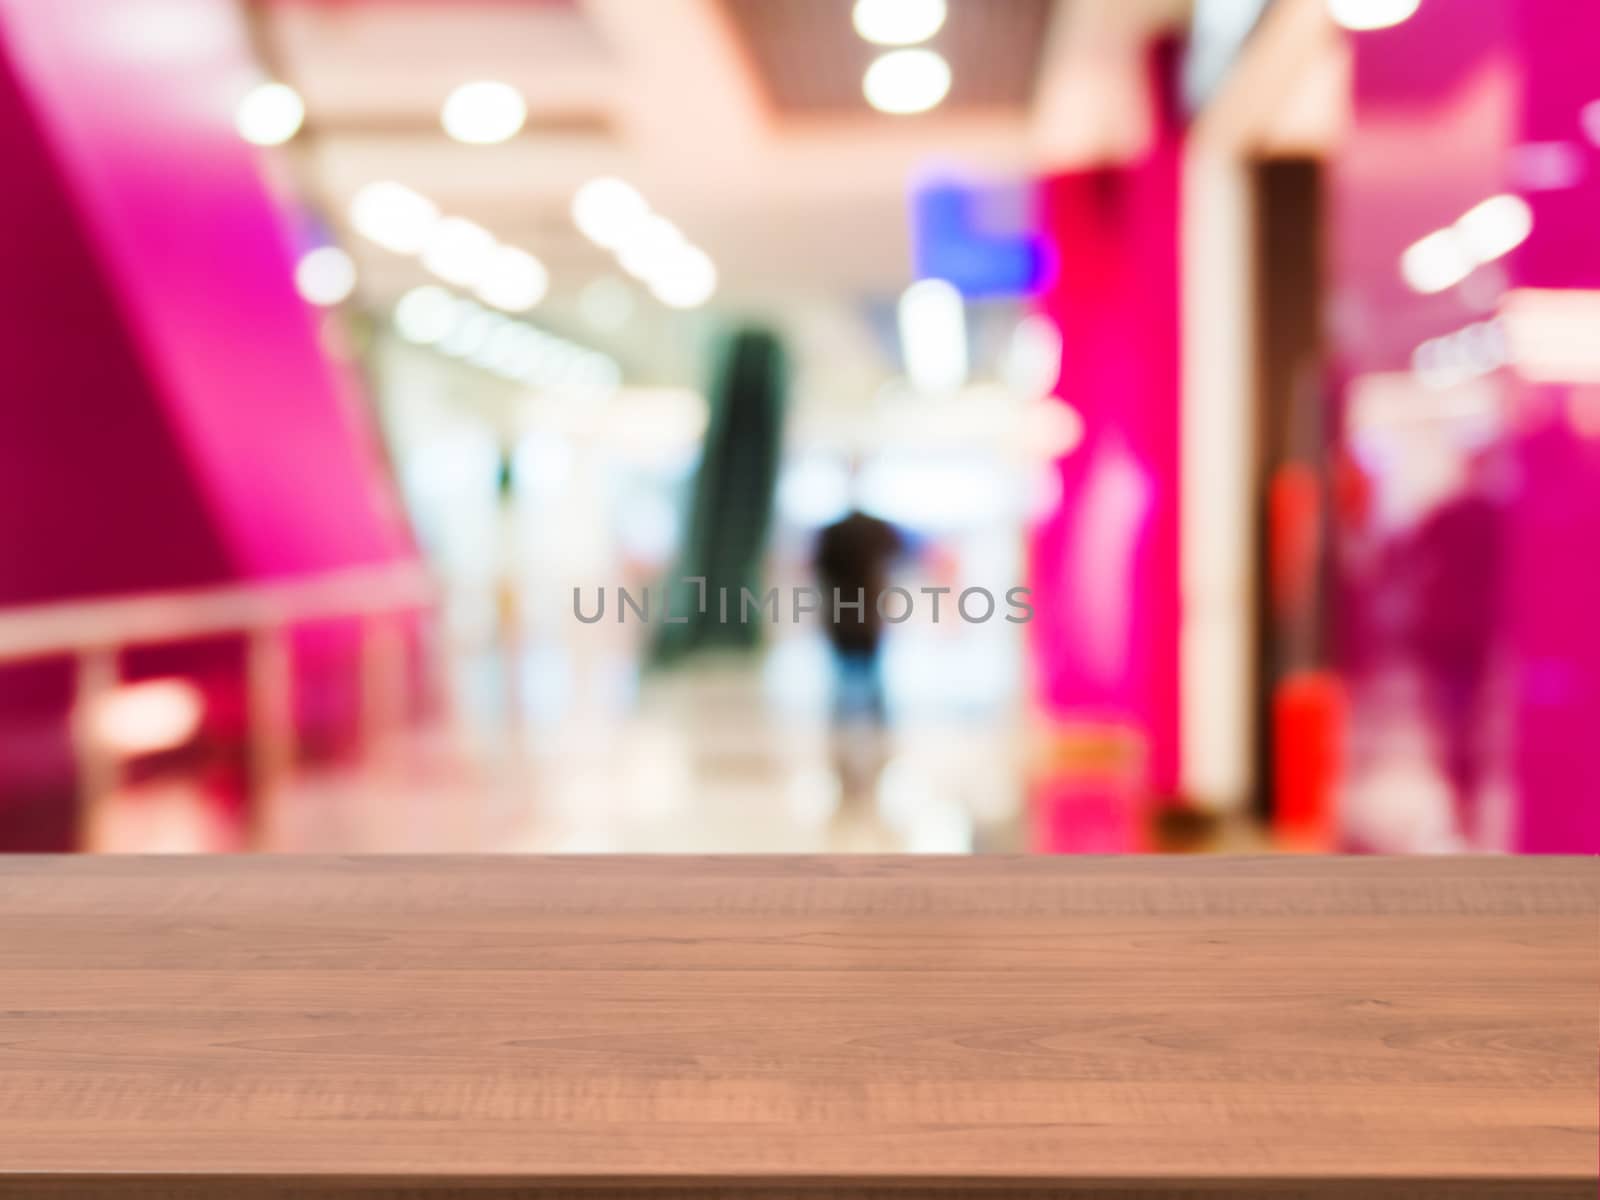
point(686, 280)
point(1362, 15)
point(145, 718)
point(458, 251)
point(613, 215)
point(484, 112)
point(425, 314)
point(609, 212)
point(1437, 262)
point(325, 276)
point(652, 248)
point(270, 114)
point(898, 22)
point(512, 279)
point(906, 81)
point(1444, 258)
point(1496, 227)
point(1553, 335)
point(511, 349)
point(394, 216)
point(933, 336)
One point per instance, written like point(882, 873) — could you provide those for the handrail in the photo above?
point(70, 628)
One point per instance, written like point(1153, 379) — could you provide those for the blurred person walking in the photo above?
point(1458, 561)
point(852, 562)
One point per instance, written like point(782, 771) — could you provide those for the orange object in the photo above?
point(1308, 723)
point(1295, 526)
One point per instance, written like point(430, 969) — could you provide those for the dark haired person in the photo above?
point(852, 564)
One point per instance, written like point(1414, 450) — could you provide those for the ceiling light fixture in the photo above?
point(609, 212)
point(394, 216)
point(1496, 227)
point(648, 247)
point(613, 215)
point(270, 114)
point(455, 249)
point(1364, 15)
point(1551, 334)
point(903, 82)
point(458, 251)
point(325, 276)
point(484, 112)
point(687, 280)
point(652, 248)
point(1484, 233)
point(512, 279)
point(1436, 262)
point(511, 349)
point(898, 22)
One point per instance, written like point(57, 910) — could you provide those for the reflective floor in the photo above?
point(567, 746)
point(575, 751)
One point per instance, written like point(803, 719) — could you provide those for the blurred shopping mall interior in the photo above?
point(442, 425)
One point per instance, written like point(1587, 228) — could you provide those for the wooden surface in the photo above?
point(794, 1028)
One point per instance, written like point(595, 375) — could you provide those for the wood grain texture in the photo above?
point(794, 1028)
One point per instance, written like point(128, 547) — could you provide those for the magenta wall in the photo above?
point(1104, 562)
point(96, 494)
point(168, 416)
point(1555, 580)
point(135, 102)
point(81, 421)
point(1444, 106)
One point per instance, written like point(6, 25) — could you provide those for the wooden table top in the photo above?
point(798, 1027)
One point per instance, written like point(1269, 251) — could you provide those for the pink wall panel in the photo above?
point(1502, 640)
point(168, 415)
point(96, 494)
point(1105, 561)
point(137, 102)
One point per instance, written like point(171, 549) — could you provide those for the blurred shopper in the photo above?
point(852, 563)
point(1457, 555)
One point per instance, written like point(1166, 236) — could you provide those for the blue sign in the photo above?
point(983, 239)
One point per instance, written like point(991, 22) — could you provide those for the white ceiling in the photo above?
point(804, 216)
